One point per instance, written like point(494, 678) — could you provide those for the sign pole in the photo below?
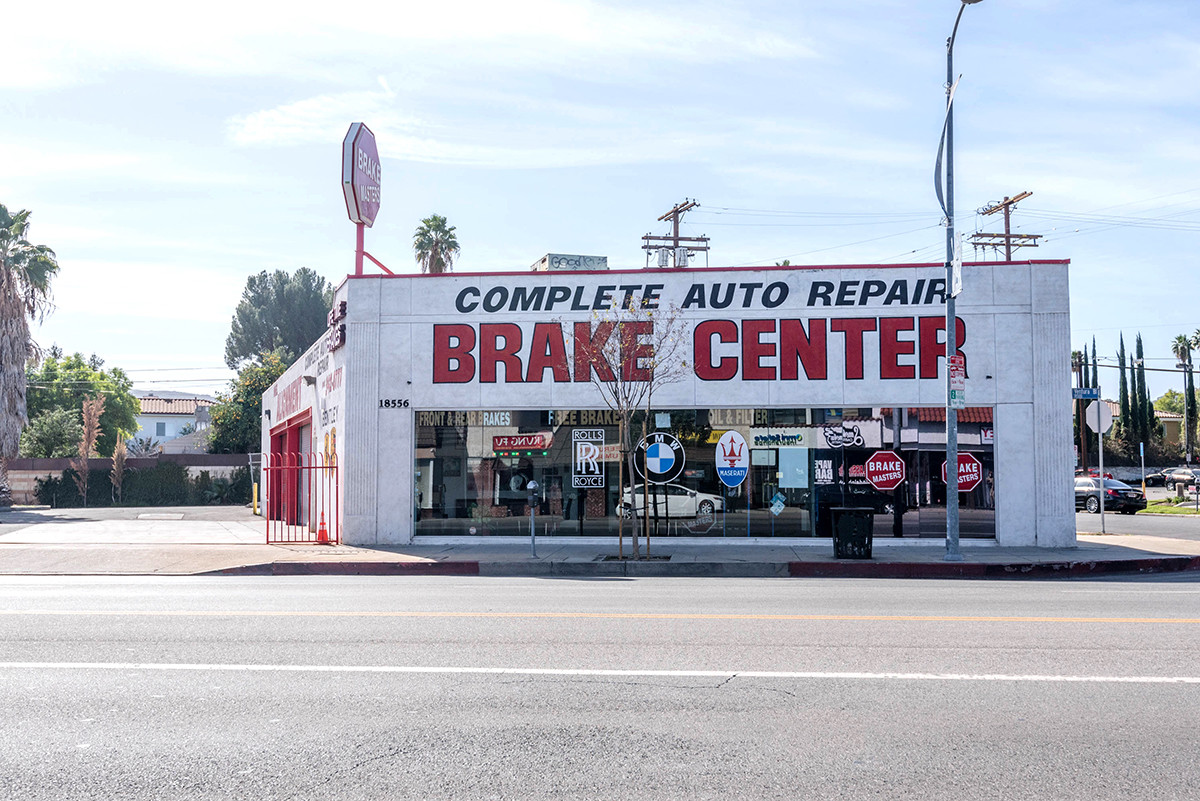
point(1101, 449)
point(1142, 448)
point(359, 247)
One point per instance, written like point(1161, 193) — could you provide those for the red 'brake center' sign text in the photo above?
point(722, 350)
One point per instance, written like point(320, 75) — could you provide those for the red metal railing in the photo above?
point(301, 503)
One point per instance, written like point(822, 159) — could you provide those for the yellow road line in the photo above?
point(592, 615)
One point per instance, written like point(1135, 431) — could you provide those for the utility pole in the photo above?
point(1008, 239)
point(674, 240)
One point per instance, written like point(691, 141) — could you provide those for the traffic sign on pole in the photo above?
point(1099, 417)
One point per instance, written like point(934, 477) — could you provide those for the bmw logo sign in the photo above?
point(659, 458)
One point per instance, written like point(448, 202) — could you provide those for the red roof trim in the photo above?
point(770, 268)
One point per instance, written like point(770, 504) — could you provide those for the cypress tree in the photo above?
point(1146, 422)
point(1123, 392)
point(1190, 407)
point(1095, 366)
point(1135, 406)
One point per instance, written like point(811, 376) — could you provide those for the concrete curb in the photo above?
point(842, 569)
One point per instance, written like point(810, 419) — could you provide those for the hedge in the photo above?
point(165, 484)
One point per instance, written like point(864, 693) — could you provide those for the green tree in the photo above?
point(1126, 421)
point(26, 271)
point(1095, 365)
point(237, 416)
point(1181, 346)
point(435, 245)
point(1170, 401)
point(65, 383)
point(1146, 423)
point(278, 312)
point(54, 434)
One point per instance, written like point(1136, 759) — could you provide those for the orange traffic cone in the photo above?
point(322, 532)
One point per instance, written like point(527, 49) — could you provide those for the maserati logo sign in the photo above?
point(733, 458)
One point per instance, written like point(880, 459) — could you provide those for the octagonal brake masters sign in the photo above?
point(885, 470)
point(360, 174)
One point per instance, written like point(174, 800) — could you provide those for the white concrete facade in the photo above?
point(872, 333)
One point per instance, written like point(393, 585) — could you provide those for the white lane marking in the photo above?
point(701, 674)
point(1132, 592)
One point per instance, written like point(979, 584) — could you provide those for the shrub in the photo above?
point(165, 484)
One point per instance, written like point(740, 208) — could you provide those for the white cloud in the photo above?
point(313, 40)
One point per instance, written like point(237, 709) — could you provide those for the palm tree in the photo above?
point(435, 245)
point(1181, 346)
point(25, 274)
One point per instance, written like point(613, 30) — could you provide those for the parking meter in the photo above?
point(532, 500)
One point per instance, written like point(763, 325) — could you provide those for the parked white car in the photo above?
point(673, 500)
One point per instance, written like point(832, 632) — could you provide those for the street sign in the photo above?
point(659, 458)
point(885, 470)
point(957, 365)
point(970, 472)
point(1085, 393)
point(733, 459)
point(587, 468)
point(1098, 416)
point(777, 507)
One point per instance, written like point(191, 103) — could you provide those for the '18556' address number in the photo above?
point(393, 403)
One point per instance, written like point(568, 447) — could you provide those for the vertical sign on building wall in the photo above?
point(587, 468)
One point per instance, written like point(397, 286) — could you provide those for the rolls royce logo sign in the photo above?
point(587, 464)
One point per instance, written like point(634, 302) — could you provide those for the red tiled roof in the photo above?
point(937, 414)
point(185, 406)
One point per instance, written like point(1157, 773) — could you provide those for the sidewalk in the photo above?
point(230, 541)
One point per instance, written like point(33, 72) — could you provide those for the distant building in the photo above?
point(166, 415)
point(563, 262)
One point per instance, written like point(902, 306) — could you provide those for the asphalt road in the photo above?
point(276, 688)
point(1182, 527)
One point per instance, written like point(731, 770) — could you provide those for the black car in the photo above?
point(1157, 479)
point(1118, 496)
point(1181, 475)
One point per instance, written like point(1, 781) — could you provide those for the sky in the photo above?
point(169, 151)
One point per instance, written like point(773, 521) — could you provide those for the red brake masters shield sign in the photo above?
point(885, 470)
point(970, 472)
point(360, 174)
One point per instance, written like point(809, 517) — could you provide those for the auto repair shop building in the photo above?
point(439, 398)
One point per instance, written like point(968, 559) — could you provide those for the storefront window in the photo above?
point(473, 470)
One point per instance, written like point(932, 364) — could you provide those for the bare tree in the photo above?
point(117, 475)
point(92, 409)
point(629, 352)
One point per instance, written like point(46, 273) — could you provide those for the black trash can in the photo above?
point(852, 529)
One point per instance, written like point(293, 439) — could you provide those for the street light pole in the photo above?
point(952, 551)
